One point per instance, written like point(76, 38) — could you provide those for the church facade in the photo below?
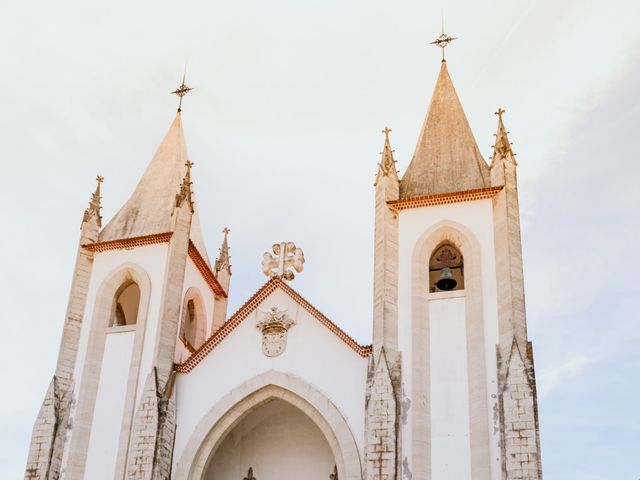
point(154, 379)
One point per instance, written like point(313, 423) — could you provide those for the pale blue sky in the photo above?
point(284, 128)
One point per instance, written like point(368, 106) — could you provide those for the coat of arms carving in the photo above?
point(274, 328)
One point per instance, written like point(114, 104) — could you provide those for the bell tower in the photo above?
point(143, 294)
point(451, 354)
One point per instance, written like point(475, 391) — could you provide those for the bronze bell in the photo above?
point(446, 282)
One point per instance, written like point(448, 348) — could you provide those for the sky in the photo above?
point(283, 126)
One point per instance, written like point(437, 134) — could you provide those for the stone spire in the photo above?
point(387, 165)
point(149, 209)
point(446, 158)
point(223, 260)
point(93, 211)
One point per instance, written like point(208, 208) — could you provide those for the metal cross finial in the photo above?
point(226, 231)
point(443, 40)
point(99, 179)
point(500, 112)
point(386, 132)
point(189, 164)
point(182, 90)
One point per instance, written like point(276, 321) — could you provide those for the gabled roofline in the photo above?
point(194, 254)
point(444, 198)
point(205, 271)
point(249, 306)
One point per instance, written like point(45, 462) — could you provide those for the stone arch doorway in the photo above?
point(274, 441)
point(277, 396)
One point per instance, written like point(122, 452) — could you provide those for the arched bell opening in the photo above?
point(446, 269)
point(193, 325)
point(276, 440)
point(127, 304)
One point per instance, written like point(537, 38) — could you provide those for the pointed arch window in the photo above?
point(127, 303)
point(446, 269)
point(193, 325)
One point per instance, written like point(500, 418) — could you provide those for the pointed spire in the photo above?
point(94, 205)
point(502, 148)
point(223, 260)
point(446, 158)
point(387, 165)
point(185, 194)
point(150, 208)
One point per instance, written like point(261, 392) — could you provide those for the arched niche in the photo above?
point(255, 393)
point(193, 324)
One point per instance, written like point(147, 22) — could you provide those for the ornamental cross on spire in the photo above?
point(182, 90)
point(443, 40)
point(386, 132)
point(287, 256)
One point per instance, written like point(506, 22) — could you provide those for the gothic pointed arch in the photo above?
point(233, 407)
point(193, 323)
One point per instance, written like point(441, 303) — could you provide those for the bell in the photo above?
point(446, 282)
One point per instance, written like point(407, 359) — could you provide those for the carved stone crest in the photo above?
point(274, 328)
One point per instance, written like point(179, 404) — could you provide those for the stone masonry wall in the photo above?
point(145, 429)
point(154, 428)
point(381, 434)
point(519, 412)
point(49, 434)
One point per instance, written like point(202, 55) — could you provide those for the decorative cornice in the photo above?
point(125, 243)
point(444, 198)
point(249, 306)
point(205, 271)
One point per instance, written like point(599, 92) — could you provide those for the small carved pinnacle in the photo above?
point(94, 204)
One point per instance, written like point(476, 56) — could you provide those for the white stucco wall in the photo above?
point(477, 217)
point(279, 442)
point(450, 455)
point(105, 432)
point(313, 353)
point(149, 259)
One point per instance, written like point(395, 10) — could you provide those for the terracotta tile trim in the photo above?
point(248, 307)
point(128, 242)
point(444, 198)
point(205, 271)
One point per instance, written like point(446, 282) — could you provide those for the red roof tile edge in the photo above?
point(128, 242)
point(444, 198)
point(205, 271)
point(242, 313)
point(132, 242)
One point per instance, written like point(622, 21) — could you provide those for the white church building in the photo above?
point(156, 380)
